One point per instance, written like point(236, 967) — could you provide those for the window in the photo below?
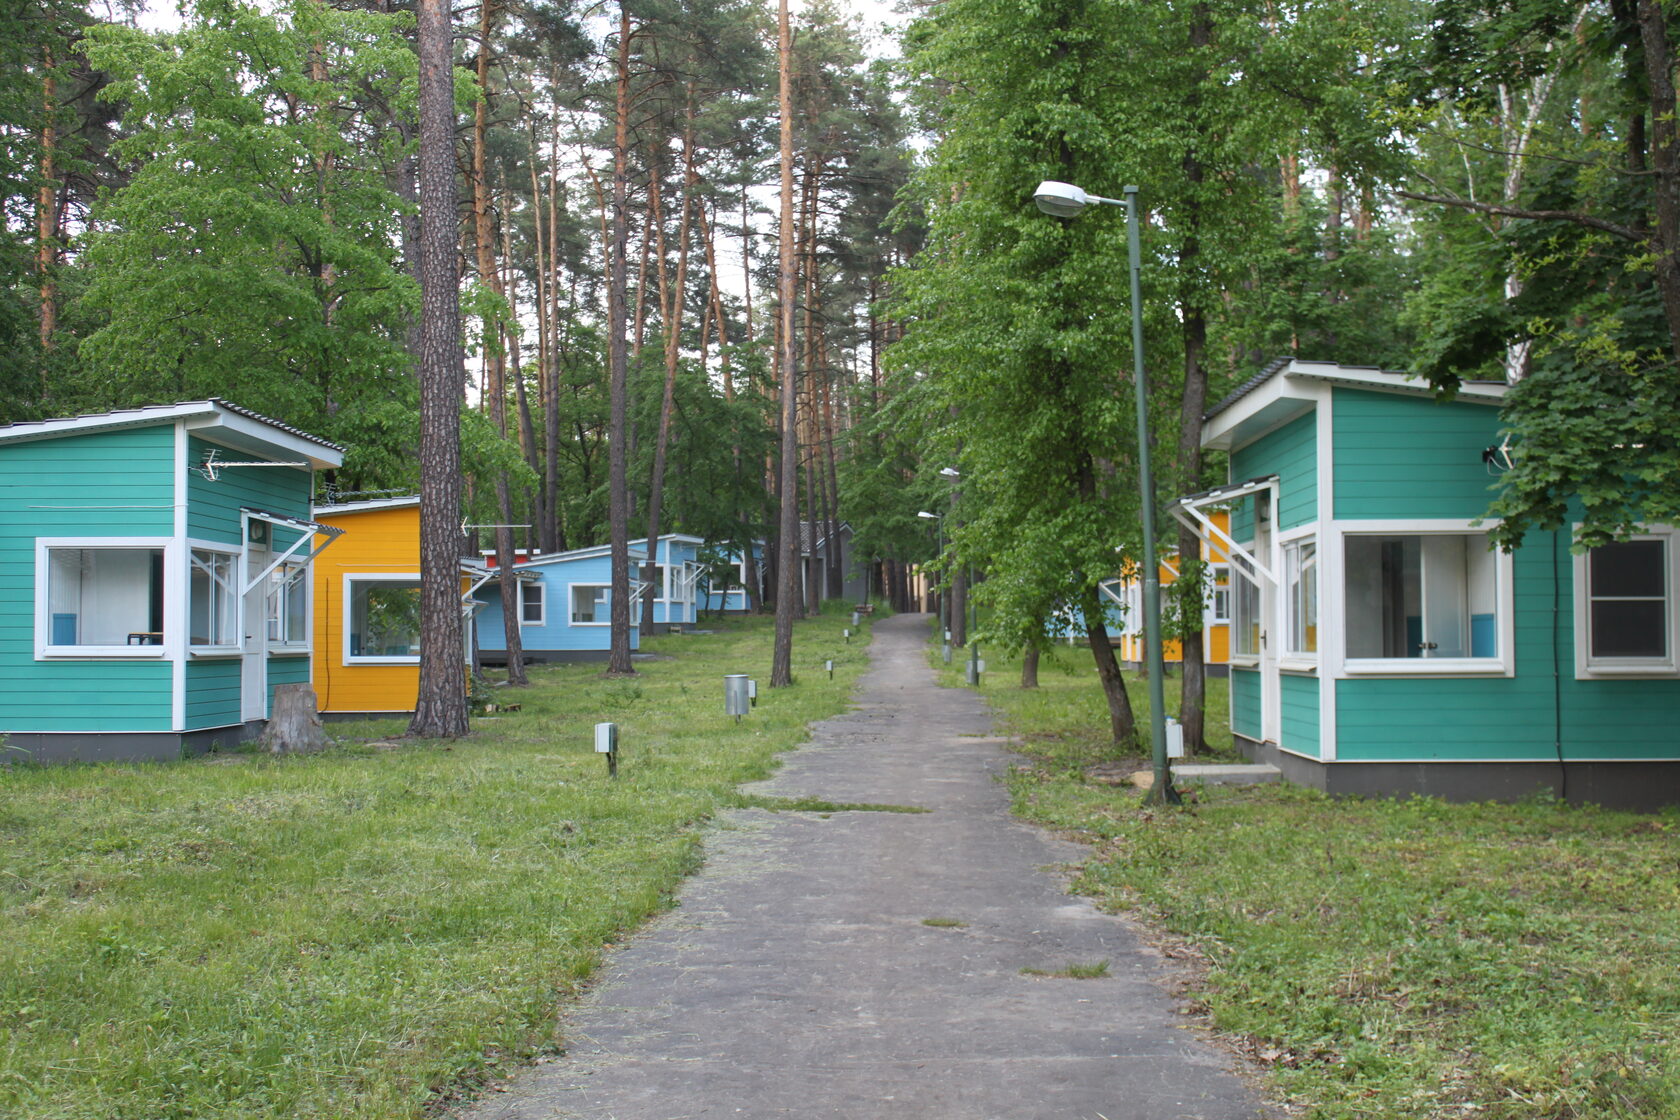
point(1300, 588)
point(531, 604)
point(384, 614)
point(1245, 610)
point(213, 599)
point(1221, 594)
point(1422, 597)
point(107, 598)
point(1624, 617)
point(288, 605)
point(658, 581)
point(591, 604)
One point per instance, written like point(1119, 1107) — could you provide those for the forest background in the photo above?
point(1459, 188)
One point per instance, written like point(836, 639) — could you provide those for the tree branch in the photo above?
point(1628, 233)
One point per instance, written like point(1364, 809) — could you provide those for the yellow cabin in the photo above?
point(367, 609)
point(1216, 613)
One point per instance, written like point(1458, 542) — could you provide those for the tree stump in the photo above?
point(294, 725)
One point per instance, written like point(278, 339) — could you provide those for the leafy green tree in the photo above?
point(253, 251)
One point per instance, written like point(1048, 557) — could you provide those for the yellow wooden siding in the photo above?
point(374, 540)
point(1216, 639)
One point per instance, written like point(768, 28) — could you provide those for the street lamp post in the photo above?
point(1064, 200)
point(944, 597)
point(953, 474)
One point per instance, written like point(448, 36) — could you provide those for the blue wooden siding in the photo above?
point(214, 507)
point(557, 632)
point(1399, 456)
point(1245, 703)
point(1298, 713)
point(213, 689)
point(106, 484)
point(1423, 718)
point(1291, 453)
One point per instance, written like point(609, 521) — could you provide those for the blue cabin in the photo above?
point(156, 578)
point(1380, 644)
point(732, 598)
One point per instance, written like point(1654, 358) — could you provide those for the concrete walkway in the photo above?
point(798, 977)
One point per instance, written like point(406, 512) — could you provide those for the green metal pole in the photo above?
point(1162, 791)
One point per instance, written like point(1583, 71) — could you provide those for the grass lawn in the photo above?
point(351, 934)
point(1389, 958)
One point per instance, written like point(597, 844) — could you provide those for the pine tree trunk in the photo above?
point(441, 707)
point(46, 211)
point(1121, 723)
point(787, 601)
point(618, 490)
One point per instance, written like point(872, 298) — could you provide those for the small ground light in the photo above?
point(606, 742)
point(829, 665)
point(848, 635)
point(736, 689)
point(855, 618)
point(752, 693)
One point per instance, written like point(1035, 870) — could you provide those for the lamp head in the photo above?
point(950, 472)
point(926, 514)
point(1062, 200)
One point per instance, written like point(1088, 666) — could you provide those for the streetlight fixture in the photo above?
point(954, 475)
point(944, 598)
point(1064, 200)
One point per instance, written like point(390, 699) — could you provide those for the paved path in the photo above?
point(797, 977)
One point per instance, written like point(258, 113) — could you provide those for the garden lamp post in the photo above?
point(1064, 200)
point(954, 475)
point(944, 598)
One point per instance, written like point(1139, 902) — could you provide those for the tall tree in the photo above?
point(441, 708)
point(787, 363)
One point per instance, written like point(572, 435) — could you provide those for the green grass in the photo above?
point(1391, 958)
point(346, 935)
point(945, 923)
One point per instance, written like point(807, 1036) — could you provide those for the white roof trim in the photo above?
point(366, 507)
point(198, 415)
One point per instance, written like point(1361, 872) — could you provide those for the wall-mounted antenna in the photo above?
point(214, 464)
point(1498, 459)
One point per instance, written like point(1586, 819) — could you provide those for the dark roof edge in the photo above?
point(1271, 370)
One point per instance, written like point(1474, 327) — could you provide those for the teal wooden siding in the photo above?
point(1399, 456)
point(1298, 714)
point(214, 507)
point(1242, 520)
point(291, 669)
point(1291, 453)
point(1422, 718)
point(102, 484)
point(213, 686)
point(1245, 703)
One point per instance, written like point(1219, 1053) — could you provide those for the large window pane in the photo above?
point(1427, 595)
point(288, 605)
point(591, 603)
point(105, 596)
point(1628, 600)
point(1245, 609)
point(1300, 566)
point(213, 600)
point(531, 602)
point(385, 618)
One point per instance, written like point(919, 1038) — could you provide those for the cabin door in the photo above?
point(253, 688)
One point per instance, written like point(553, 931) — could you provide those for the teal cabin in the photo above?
point(156, 584)
point(1380, 645)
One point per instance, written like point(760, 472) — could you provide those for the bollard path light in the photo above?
point(606, 742)
point(752, 693)
point(829, 665)
point(736, 689)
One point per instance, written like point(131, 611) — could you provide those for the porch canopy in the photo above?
point(1187, 511)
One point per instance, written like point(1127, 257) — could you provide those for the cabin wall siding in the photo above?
point(1298, 713)
point(1291, 453)
point(116, 483)
point(1410, 457)
point(1245, 703)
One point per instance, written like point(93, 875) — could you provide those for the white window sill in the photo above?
point(1243, 662)
point(85, 653)
point(214, 651)
point(289, 651)
point(1426, 667)
point(577, 623)
point(410, 660)
point(1627, 670)
point(1298, 665)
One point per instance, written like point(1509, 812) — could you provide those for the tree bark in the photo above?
point(787, 597)
point(618, 490)
point(1121, 722)
point(440, 709)
point(46, 210)
point(1029, 667)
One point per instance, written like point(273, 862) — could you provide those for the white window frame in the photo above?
point(234, 646)
point(1333, 604)
point(571, 597)
point(1589, 668)
point(1219, 584)
point(1290, 658)
point(1245, 660)
point(350, 581)
point(46, 650)
point(301, 584)
point(524, 586)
